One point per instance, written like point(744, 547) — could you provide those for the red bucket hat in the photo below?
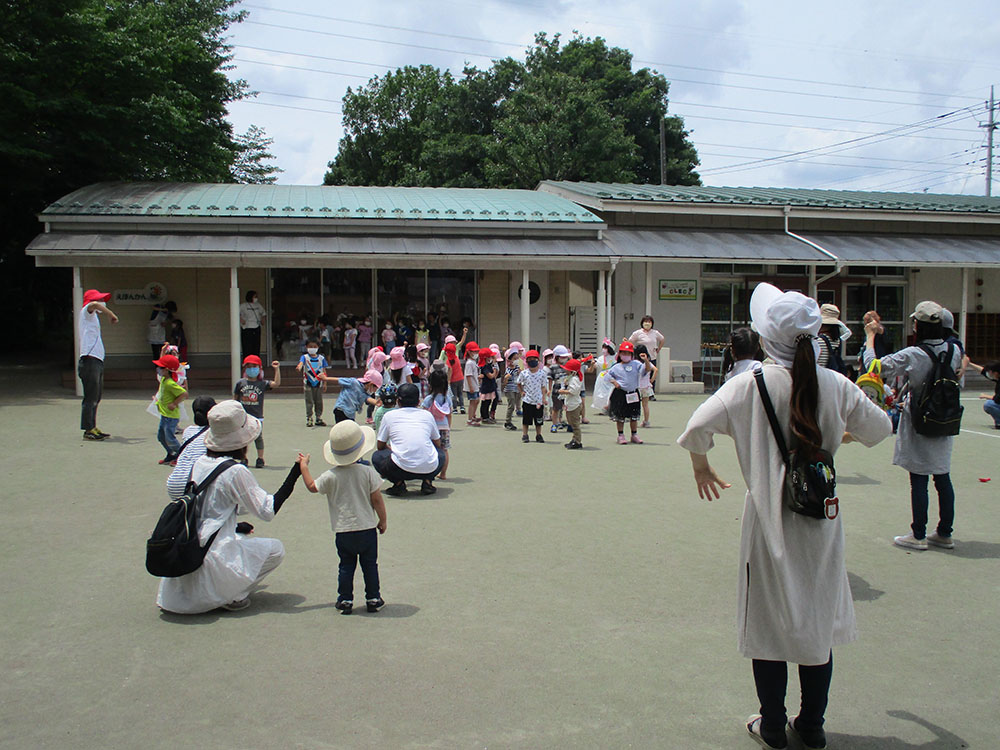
point(572, 365)
point(252, 359)
point(626, 346)
point(168, 361)
point(92, 295)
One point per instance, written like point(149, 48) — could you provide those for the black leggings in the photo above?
point(771, 678)
point(487, 409)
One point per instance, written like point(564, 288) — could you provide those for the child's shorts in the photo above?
point(445, 438)
point(472, 395)
point(532, 414)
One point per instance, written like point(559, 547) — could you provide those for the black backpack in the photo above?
point(834, 360)
point(173, 549)
point(935, 408)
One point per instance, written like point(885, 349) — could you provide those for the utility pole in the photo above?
point(989, 148)
point(663, 151)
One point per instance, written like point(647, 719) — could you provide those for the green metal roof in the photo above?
point(327, 203)
point(762, 196)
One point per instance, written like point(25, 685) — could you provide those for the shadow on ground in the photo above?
point(942, 738)
point(286, 604)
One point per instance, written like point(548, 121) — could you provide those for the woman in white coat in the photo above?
point(794, 598)
point(234, 564)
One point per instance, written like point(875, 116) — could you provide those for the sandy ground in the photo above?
point(541, 599)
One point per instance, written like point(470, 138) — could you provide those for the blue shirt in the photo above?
point(627, 374)
point(310, 365)
point(352, 396)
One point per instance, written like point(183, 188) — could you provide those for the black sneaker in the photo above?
point(539, 439)
point(509, 426)
point(427, 487)
point(573, 445)
point(461, 410)
point(525, 439)
point(320, 423)
point(259, 464)
point(345, 607)
point(94, 435)
point(398, 489)
point(374, 605)
point(309, 421)
point(102, 433)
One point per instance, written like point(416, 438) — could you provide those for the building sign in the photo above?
point(154, 293)
point(674, 289)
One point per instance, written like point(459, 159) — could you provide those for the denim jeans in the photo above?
point(992, 408)
point(771, 679)
point(91, 372)
point(352, 547)
point(166, 436)
point(918, 502)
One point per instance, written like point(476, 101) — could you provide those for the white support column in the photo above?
point(77, 304)
point(235, 345)
point(649, 290)
point(813, 287)
point(963, 325)
point(525, 309)
point(602, 316)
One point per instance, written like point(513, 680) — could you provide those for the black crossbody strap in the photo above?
point(191, 439)
point(765, 397)
point(199, 488)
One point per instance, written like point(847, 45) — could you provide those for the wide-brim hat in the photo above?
point(397, 358)
point(781, 316)
point(561, 351)
point(422, 347)
point(372, 376)
point(230, 427)
point(348, 442)
point(829, 314)
point(472, 346)
point(92, 295)
point(516, 345)
point(449, 339)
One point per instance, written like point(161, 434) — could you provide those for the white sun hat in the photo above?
point(230, 427)
point(780, 317)
point(348, 442)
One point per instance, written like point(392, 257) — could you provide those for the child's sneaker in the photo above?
point(374, 605)
point(509, 426)
point(320, 422)
point(309, 421)
point(554, 428)
point(645, 423)
point(636, 439)
point(94, 435)
point(573, 445)
point(259, 464)
point(345, 606)
point(525, 439)
point(539, 439)
point(621, 439)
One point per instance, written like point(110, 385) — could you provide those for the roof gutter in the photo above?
point(837, 262)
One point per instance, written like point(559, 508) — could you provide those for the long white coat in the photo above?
point(794, 597)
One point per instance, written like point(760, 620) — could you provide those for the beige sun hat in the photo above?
point(348, 442)
point(829, 314)
point(230, 427)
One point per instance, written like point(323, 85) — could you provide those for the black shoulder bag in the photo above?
point(810, 486)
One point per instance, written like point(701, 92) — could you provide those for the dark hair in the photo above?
point(200, 408)
point(991, 367)
point(411, 353)
point(396, 375)
point(311, 341)
point(644, 319)
point(250, 295)
point(171, 306)
point(238, 453)
point(744, 343)
point(640, 349)
point(805, 396)
point(408, 395)
point(927, 330)
point(438, 382)
point(178, 322)
point(610, 348)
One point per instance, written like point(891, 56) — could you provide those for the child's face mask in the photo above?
point(626, 357)
point(562, 360)
point(532, 363)
point(313, 350)
point(252, 372)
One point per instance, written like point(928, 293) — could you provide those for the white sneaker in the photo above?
point(237, 605)
point(945, 542)
point(910, 542)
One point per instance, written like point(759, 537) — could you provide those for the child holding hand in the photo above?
point(357, 510)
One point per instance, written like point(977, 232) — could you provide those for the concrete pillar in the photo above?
point(649, 290)
point(235, 345)
point(77, 305)
point(525, 309)
point(963, 324)
point(602, 316)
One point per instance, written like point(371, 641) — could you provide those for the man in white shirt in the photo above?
point(409, 445)
point(91, 365)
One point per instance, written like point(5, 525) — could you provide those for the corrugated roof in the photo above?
point(765, 196)
point(328, 203)
point(710, 246)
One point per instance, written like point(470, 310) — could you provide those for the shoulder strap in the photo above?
point(765, 397)
point(215, 473)
point(191, 439)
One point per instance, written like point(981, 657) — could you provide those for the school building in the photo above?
point(569, 262)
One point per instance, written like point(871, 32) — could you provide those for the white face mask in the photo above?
point(313, 350)
point(626, 357)
point(647, 325)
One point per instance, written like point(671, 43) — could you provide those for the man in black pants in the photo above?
point(409, 444)
point(91, 365)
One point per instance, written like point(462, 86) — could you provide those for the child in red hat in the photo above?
point(625, 400)
point(249, 391)
point(573, 401)
point(471, 373)
point(533, 385)
point(168, 400)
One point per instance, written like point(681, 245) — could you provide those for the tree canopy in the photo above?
point(567, 112)
point(97, 90)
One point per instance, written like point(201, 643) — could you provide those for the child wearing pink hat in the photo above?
point(399, 370)
point(354, 393)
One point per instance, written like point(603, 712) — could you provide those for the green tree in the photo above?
point(252, 154)
point(97, 90)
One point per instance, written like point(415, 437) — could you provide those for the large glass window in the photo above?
point(295, 297)
point(887, 300)
point(452, 295)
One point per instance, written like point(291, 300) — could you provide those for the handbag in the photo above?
point(810, 486)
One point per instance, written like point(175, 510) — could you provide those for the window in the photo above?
point(733, 269)
point(887, 300)
point(724, 306)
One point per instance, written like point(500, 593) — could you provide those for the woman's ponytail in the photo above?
point(805, 396)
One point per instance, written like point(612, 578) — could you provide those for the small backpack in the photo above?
point(834, 361)
point(872, 386)
point(935, 408)
point(173, 549)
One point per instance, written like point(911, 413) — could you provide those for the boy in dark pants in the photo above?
point(357, 511)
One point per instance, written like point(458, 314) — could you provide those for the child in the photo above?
point(991, 371)
point(533, 385)
point(586, 365)
point(424, 364)
point(350, 344)
point(422, 335)
point(311, 364)
point(624, 403)
point(547, 369)
point(438, 403)
point(388, 336)
point(365, 338)
point(249, 391)
point(386, 400)
point(571, 389)
point(602, 386)
point(646, 379)
point(354, 394)
point(356, 510)
point(743, 353)
point(168, 399)
point(557, 376)
point(488, 372)
point(399, 370)
point(471, 373)
point(509, 385)
point(456, 376)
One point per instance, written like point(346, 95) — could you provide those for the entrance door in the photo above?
point(539, 320)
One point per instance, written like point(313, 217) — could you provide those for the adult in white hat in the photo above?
point(831, 333)
point(922, 456)
point(235, 563)
point(795, 601)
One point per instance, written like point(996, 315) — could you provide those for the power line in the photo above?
point(288, 106)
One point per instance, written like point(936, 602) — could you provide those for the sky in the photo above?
point(884, 95)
